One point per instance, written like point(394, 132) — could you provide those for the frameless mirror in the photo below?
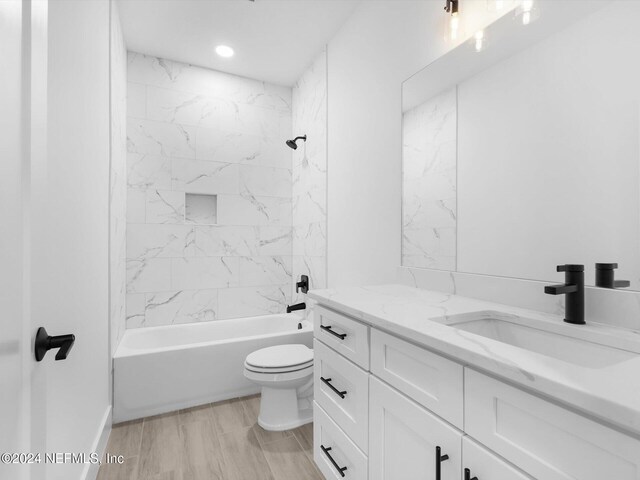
point(525, 155)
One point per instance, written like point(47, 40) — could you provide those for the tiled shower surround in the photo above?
point(310, 176)
point(209, 200)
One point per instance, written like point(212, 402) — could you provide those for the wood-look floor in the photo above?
point(220, 441)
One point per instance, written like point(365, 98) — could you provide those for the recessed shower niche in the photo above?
point(201, 209)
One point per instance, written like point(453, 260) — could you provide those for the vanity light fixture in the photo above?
point(479, 37)
point(451, 7)
point(224, 51)
point(527, 6)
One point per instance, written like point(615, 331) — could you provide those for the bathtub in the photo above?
point(162, 369)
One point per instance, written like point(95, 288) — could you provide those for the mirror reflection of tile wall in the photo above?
point(429, 184)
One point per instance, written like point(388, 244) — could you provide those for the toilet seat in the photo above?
point(280, 359)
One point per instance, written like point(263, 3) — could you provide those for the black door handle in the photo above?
point(327, 382)
point(439, 459)
point(335, 464)
point(45, 342)
point(467, 475)
point(327, 328)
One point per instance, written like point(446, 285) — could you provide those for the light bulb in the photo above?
point(479, 36)
point(454, 24)
point(527, 6)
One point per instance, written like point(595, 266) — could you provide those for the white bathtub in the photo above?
point(162, 369)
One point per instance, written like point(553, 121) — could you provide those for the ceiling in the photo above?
point(274, 40)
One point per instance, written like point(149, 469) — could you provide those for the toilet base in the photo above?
point(285, 408)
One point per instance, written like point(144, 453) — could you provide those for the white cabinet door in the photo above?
point(404, 438)
point(545, 440)
point(484, 465)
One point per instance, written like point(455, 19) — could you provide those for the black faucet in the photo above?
point(303, 284)
point(297, 306)
point(605, 276)
point(573, 288)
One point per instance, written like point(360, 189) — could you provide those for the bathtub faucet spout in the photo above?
point(297, 306)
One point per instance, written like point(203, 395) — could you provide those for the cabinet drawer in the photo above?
point(335, 455)
point(404, 439)
point(485, 465)
point(346, 336)
point(428, 378)
point(547, 441)
point(342, 390)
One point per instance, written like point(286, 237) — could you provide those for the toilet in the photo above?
point(285, 373)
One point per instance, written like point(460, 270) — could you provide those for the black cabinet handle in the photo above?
point(439, 459)
point(326, 451)
point(327, 382)
point(45, 342)
point(327, 328)
point(467, 475)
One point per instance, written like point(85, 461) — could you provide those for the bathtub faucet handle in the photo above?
point(303, 284)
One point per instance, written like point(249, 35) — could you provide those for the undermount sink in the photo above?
point(536, 337)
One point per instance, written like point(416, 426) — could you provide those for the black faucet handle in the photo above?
point(303, 284)
point(605, 276)
point(570, 267)
point(606, 266)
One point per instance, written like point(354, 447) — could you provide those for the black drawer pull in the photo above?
point(439, 459)
point(327, 382)
point(337, 467)
point(327, 328)
point(467, 475)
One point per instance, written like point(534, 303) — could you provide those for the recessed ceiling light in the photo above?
point(224, 51)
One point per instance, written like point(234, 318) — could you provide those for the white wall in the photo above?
point(118, 180)
point(382, 44)
point(71, 217)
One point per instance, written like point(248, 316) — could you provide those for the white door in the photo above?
point(404, 439)
point(22, 106)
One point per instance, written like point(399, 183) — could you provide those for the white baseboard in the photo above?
point(99, 445)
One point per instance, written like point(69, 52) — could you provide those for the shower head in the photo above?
point(293, 144)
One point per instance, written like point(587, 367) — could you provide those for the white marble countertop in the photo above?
point(610, 393)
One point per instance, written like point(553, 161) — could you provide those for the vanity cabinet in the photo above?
point(341, 388)
point(408, 442)
point(335, 454)
point(430, 379)
point(484, 465)
point(346, 336)
point(386, 409)
point(547, 441)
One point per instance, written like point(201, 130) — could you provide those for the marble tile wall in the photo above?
point(429, 184)
point(220, 138)
point(117, 181)
point(310, 177)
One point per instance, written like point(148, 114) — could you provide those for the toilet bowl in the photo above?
point(285, 373)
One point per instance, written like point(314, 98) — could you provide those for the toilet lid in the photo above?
point(281, 356)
